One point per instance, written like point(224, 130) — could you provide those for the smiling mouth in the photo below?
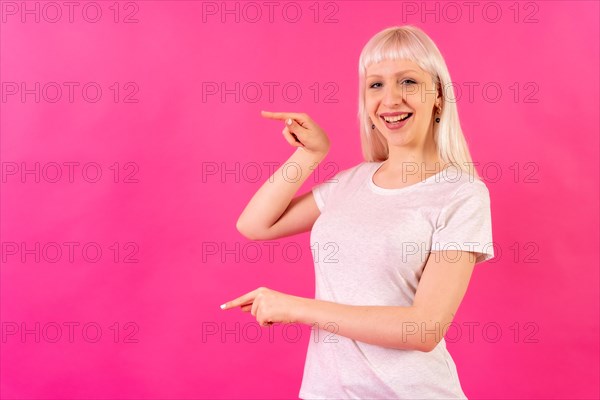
point(396, 118)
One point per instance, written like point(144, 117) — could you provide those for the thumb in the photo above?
point(296, 130)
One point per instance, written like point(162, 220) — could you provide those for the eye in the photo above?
point(411, 82)
point(372, 86)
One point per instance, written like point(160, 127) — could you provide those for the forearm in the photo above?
point(387, 326)
point(274, 196)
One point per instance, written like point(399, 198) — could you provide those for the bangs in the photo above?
point(391, 45)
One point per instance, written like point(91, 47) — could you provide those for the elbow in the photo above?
point(243, 231)
point(428, 346)
point(247, 233)
point(425, 334)
point(425, 345)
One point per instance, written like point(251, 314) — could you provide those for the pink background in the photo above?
point(541, 291)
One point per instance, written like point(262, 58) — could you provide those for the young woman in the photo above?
point(407, 225)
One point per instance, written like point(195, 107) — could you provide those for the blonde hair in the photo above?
point(408, 42)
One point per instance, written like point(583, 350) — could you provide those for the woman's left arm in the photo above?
point(421, 326)
point(418, 327)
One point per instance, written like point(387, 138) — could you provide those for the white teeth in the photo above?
point(396, 118)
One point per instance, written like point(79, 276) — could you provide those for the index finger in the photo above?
point(240, 301)
point(283, 115)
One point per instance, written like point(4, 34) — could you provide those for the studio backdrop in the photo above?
point(132, 139)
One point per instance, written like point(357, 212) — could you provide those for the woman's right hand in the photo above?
point(301, 131)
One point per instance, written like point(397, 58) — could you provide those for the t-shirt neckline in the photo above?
point(380, 190)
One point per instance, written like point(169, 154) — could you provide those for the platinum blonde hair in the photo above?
point(408, 42)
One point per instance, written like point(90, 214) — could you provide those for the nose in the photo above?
point(393, 96)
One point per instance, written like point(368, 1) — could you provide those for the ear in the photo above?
point(439, 99)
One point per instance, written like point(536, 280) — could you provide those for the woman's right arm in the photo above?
point(273, 212)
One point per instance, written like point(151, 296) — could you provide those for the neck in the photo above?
point(419, 157)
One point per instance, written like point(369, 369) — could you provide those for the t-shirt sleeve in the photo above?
point(465, 222)
point(323, 191)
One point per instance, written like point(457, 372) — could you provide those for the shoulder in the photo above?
point(460, 184)
point(354, 173)
point(461, 178)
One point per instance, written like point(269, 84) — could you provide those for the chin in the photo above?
point(397, 140)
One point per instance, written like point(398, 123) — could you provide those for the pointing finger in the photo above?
point(242, 300)
point(302, 118)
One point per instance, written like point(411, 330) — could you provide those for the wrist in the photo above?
point(308, 160)
point(301, 311)
point(313, 154)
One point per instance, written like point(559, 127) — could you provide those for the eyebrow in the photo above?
point(396, 74)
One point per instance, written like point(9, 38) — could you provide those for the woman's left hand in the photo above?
point(268, 306)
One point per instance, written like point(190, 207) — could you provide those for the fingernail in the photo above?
point(288, 121)
point(223, 306)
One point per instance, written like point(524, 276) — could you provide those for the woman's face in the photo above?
point(395, 88)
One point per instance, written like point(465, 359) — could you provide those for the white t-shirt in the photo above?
point(370, 246)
